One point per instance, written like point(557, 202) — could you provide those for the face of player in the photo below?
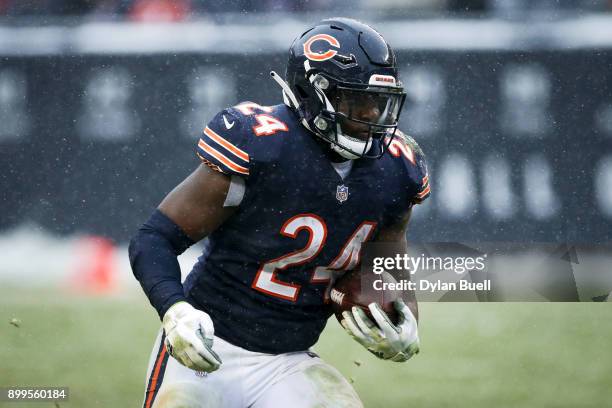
point(357, 107)
point(364, 110)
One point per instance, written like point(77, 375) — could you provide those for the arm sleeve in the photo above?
point(153, 256)
point(224, 144)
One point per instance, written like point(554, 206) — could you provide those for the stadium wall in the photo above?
point(99, 121)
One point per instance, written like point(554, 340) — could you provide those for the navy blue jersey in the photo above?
point(265, 272)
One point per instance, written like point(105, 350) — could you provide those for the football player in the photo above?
point(286, 196)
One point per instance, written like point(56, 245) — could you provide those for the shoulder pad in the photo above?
point(225, 143)
point(238, 137)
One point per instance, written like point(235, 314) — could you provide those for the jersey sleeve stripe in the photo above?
point(227, 145)
point(221, 158)
point(424, 193)
point(157, 375)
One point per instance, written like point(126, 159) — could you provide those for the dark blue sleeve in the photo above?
point(153, 255)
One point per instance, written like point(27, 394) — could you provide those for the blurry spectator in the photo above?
point(160, 10)
point(247, 6)
point(111, 8)
point(4, 6)
point(48, 7)
point(299, 5)
point(403, 7)
point(232, 6)
point(179, 10)
point(505, 8)
point(468, 6)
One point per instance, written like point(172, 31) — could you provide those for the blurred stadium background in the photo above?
point(101, 103)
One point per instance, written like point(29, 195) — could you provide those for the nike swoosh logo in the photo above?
point(227, 124)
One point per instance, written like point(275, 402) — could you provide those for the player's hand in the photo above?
point(384, 339)
point(189, 337)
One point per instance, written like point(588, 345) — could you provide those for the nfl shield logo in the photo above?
point(342, 193)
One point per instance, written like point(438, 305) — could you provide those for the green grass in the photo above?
point(473, 355)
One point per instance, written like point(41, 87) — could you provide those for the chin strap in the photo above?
point(291, 101)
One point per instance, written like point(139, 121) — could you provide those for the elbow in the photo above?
point(134, 250)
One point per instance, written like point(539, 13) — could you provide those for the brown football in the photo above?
point(356, 289)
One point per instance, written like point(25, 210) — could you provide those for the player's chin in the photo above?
point(361, 135)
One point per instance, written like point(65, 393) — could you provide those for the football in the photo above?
point(357, 289)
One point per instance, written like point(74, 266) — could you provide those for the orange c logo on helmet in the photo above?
point(316, 56)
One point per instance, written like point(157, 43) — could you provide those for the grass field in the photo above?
point(473, 355)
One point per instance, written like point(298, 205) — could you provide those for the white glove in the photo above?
point(386, 341)
point(189, 337)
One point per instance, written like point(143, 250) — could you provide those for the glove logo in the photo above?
point(320, 56)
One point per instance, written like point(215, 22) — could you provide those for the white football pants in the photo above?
point(247, 379)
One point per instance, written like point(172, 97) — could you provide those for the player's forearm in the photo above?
point(397, 239)
point(408, 296)
point(153, 255)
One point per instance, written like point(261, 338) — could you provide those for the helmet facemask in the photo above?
point(355, 118)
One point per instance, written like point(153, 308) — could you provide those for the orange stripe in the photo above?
point(214, 136)
point(158, 364)
point(219, 156)
point(426, 179)
point(424, 192)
